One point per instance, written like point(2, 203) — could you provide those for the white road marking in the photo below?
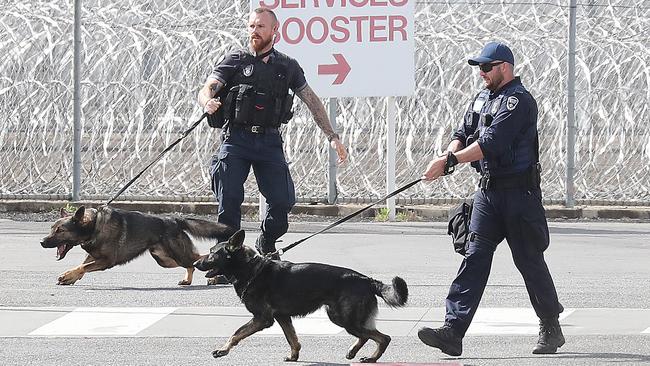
point(103, 322)
point(507, 321)
point(223, 321)
point(314, 324)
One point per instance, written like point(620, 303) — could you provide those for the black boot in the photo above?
point(265, 246)
point(550, 337)
point(444, 338)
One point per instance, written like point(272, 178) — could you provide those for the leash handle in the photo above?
point(184, 135)
point(346, 218)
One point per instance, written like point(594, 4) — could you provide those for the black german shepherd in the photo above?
point(112, 237)
point(279, 290)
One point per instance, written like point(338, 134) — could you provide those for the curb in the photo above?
point(409, 213)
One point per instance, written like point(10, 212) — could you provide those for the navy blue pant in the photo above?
point(240, 150)
point(518, 216)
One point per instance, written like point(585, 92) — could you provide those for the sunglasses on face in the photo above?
point(488, 67)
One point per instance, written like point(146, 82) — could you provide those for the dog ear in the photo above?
point(236, 240)
point(79, 215)
point(63, 212)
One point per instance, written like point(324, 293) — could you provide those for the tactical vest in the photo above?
point(473, 119)
point(483, 113)
point(257, 94)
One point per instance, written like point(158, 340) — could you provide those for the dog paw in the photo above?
point(184, 283)
point(291, 358)
point(350, 355)
point(66, 279)
point(367, 360)
point(219, 353)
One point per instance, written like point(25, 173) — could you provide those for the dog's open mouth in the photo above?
point(62, 250)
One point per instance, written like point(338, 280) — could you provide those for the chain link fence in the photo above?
point(143, 62)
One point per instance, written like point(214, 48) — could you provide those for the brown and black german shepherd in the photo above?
point(280, 290)
point(112, 237)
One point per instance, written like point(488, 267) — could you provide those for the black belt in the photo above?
point(257, 129)
point(527, 179)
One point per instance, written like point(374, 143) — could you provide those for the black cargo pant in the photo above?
point(240, 150)
point(517, 215)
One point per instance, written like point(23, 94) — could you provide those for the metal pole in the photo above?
point(571, 94)
point(331, 171)
point(390, 155)
point(76, 71)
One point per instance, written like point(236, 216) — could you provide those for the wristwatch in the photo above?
point(450, 164)
point(333, 136)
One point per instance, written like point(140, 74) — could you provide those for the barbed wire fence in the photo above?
point(143, 63)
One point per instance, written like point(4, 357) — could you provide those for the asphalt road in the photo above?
point(600, 269)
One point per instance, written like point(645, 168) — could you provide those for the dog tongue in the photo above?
point(60, 252)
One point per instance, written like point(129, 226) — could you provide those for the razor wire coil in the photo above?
point(144, 62)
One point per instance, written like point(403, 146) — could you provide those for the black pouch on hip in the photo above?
point(458, 228)
point(218, 118)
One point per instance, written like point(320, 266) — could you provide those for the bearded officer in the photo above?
point(499, 137)
point(255, 100)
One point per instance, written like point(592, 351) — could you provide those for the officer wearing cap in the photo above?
point(248, 96)
point(499, 137)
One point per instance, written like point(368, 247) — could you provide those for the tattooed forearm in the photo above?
point(208, 91)
point(317, 109)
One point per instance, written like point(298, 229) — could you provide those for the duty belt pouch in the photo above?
point(458, 227)
point(217, 119)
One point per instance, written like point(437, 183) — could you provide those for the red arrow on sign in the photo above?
point(341, 68)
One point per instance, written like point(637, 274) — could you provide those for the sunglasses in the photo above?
point(488, 67)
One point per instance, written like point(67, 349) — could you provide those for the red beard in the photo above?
point(258, 44)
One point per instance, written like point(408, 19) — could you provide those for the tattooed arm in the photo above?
point(317, 110)
point(206, 95)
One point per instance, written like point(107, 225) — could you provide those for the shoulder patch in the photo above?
point(512, 102)
point(248, 70)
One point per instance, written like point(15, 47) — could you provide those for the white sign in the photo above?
point(349, 48)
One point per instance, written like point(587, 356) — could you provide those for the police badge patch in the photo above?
point(511, 103)
point(248, 70)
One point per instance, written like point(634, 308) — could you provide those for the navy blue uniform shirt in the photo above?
point(507, 123)
point(225, 69)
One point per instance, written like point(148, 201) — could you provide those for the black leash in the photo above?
point(346, 218)
point(184, 135)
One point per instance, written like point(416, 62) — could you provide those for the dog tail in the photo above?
point(395, 295)
point(205, 229)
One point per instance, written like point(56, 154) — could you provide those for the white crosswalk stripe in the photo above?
point(507, 321)
point(223, 321)
point(103, 322)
